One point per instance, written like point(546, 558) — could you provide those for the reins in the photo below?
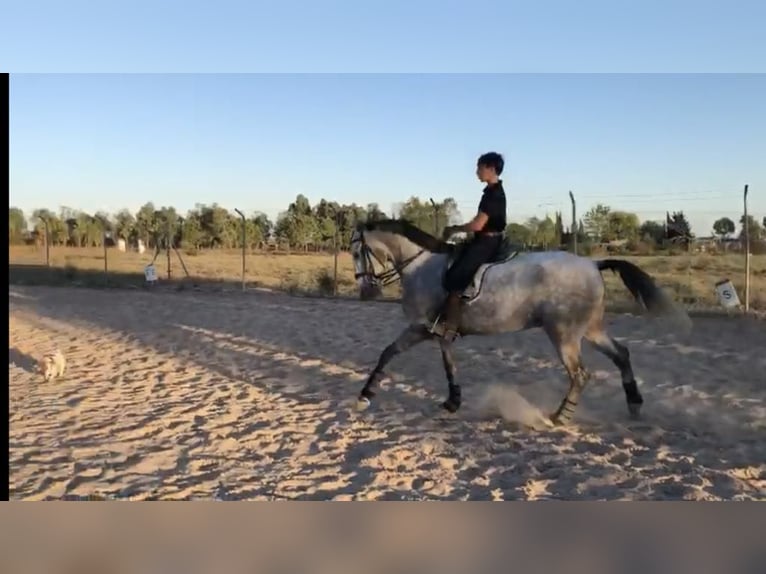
point(387, 276)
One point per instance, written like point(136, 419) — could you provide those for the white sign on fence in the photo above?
point(150, 273)
point(727, 294)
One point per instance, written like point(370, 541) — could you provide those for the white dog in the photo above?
point(53, 365)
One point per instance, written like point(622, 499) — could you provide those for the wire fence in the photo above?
point(702, 275)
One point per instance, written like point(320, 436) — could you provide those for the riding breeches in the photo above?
point(479, 251)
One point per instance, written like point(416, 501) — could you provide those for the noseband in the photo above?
point(387, 276)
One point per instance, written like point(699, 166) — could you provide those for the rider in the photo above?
point(488, 227)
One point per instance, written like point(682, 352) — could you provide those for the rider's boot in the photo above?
point(448, 322)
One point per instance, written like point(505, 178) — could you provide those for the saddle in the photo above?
point(506, 251)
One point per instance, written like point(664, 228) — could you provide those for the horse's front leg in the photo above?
point(452, 404)
point(408, 338)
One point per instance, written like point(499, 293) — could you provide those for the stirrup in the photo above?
point(439, 329)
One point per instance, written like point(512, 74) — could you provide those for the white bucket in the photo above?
point(150, 273)
point(727, 294)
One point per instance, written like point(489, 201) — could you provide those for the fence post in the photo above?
point(335, 256)
point(168, 243)
point(244, 244)
point(47, 242)
point(747, 255)
point(103, 242)
point(574, 221)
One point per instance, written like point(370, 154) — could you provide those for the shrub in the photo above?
point(325, 282)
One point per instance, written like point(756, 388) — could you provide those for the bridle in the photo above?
point(387, 276)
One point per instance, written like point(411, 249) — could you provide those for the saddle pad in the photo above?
point(474, 288)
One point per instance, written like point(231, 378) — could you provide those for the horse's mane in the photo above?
point(410, 231)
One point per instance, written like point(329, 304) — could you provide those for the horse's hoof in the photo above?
point(450, 406)
point(544, 423)
point(556, 420)
point(634, 409)
point(362, 404)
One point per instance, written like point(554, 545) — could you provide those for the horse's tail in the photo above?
point(641, 285)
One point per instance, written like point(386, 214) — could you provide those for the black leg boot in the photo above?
point(448, 323)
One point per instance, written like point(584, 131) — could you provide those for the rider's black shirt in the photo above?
point(493, 204)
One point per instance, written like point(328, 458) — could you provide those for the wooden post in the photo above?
point(574, 221)
point(747, 255)
point(244, 244)
point(47, 242)
point(103, 242)
point(167, 244)
point(335, 256)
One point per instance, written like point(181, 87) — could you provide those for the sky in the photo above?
point(620, 104)
point(383, 36)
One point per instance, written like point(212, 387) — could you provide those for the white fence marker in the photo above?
point(150, 273)
point(727, 294)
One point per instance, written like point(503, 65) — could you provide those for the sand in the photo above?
point(250, 396)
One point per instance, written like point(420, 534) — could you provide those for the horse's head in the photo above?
point(371, 257)
point(384, 250)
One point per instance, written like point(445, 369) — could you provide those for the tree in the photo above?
point(679, 231)
point(621, 225)
point(754, 228)
point(374, 213)
point(582, 235)
point(542, 232)
point(263, 222)
point(518, 233)
point(723, 227)
point(17, 225)
point(56, 227)
point(146, 224)
point(299, 225)
point(431, 219)
point(420, 214)
point(302, 225)
point(125, 226)
point(253, 234)
point(597, 222)
point(192, 235)
point(558, 230)
point(652, 232)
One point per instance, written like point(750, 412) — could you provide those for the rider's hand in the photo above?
point(448, 232)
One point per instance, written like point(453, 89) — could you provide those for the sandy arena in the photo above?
point(200, 396)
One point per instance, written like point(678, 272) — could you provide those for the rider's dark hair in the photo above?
point(492, 159)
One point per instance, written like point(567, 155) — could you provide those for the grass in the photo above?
point(690, 278)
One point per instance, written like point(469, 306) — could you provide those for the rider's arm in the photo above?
point(489, 204)
point(476, 224)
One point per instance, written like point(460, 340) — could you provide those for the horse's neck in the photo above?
point(408, 256)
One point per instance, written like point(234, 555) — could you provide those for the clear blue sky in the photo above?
point(383, 36)
point(644, 142)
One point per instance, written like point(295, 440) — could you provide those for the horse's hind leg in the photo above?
point(452, 404)
point(568, 346)
point(620, 356)
point(407, 339)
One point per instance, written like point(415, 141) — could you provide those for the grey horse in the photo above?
point(557, 291)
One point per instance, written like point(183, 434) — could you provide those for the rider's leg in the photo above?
point(457, 278)
point(450, 318)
